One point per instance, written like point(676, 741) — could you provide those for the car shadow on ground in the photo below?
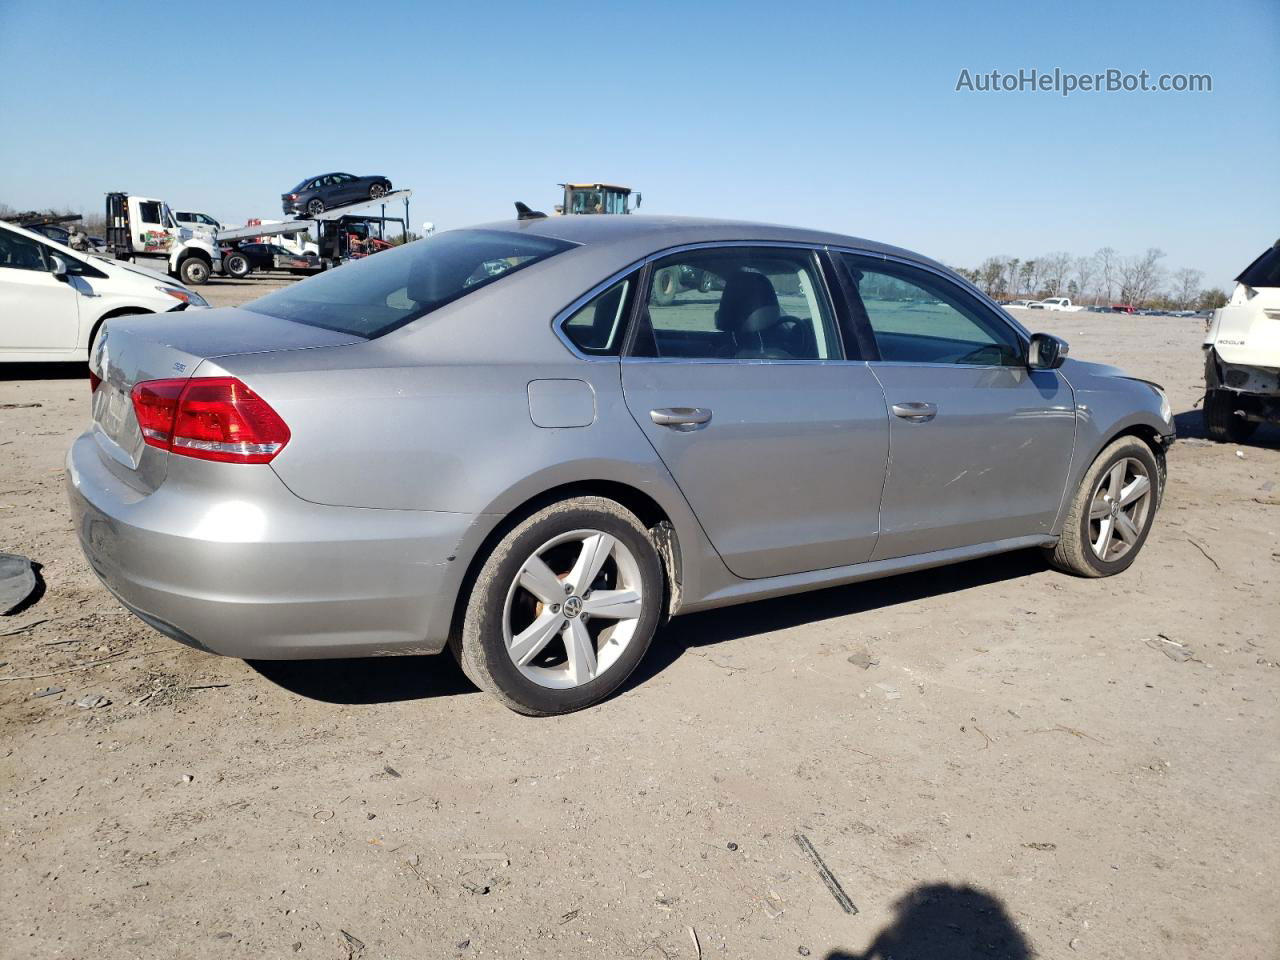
point(1190, 426)
point(45, 371)
point(391, 679)
point(944, 922)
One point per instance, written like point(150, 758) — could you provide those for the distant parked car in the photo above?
point(318, 194)
point(1023, 304)
point(1099, 308)
point(1123, 308)
point(1059, 305)
point(196, 221)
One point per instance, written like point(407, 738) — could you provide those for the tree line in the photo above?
point(1106, 277)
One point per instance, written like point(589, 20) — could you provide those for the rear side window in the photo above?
point(597, 328)
point(375, 295)
point(750, 303)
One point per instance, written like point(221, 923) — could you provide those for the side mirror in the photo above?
point(59, 269)
point(1046, 352)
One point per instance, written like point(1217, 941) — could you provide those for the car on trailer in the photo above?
point(315, 195)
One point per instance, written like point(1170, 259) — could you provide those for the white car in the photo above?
point(1242, 354)
point(53, 300)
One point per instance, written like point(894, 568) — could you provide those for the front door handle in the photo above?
point(683, 419)
point(916, 412)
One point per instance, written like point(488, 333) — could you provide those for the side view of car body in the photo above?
point(54, 300)
point(1242, 354)
point(315, 195)
point(267, 257)
point(509, 441)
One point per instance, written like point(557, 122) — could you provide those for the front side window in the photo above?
point(920, 317)
point(149, 211)
point(597, 328)
point(375, 295)
point(20, 253)
point(737, 303)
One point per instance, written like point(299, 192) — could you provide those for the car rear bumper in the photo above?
point(258, 573)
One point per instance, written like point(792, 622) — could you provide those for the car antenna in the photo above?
point(524, 213)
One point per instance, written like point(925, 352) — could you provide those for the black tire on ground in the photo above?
point(481, 646)
point(1220, 420)
point(666, 284)
point(315, 207)
point(194, 271)
point(236, 265)
point(1074, 552)
point(376, 191)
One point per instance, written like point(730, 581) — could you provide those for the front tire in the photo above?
point(1221, 422)
point(1111, 512)
point(193, 271)
point(377, 191)
point(563, 608)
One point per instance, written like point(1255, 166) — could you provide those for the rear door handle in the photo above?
point(916, 412)
point(683, 419)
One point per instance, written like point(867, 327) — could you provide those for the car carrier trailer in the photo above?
point(333, 230)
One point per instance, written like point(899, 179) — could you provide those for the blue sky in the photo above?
point(834, 115)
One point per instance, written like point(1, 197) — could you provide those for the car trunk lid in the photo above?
point(168, 347)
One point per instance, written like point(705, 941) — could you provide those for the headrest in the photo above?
point(745, 292)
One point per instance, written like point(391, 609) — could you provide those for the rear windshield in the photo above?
point(1263, 272)
point(376, 295)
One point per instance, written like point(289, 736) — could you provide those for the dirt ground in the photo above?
point(1012, 764)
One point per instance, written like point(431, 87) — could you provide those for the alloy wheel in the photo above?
point(573, 609)
point(1119, 508)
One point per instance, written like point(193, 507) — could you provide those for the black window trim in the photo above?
point(562, 316)
point(863, 325)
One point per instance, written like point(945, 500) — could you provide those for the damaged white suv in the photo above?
point(1242, 354)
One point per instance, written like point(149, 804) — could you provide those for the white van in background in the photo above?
point(53, 300)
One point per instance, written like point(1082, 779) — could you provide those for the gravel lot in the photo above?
point(1013, 763)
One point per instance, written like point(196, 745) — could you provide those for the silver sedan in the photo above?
point(534, 441)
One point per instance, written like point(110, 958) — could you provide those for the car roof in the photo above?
point(638, 235)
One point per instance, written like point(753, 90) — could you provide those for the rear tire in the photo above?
point(315, 207)
point(236, 265)
point(194, 271)
point(1121, 532)
point(545, 644)
point(1221, 422)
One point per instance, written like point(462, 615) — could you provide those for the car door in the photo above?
point(979, 444)
point(737, 375)
point(38, 311)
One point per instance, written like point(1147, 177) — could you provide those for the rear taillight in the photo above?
point(209, 418)
point(95, 382)
point(155, 402)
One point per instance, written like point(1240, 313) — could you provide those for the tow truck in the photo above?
point(143, 229)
